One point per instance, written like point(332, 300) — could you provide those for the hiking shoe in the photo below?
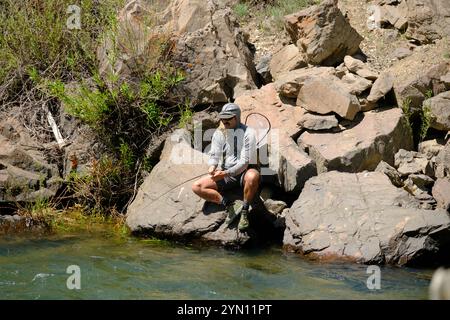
point(243, 222)
point(233, 211)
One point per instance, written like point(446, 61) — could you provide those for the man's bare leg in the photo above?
point(206, 188)
point(251, 184)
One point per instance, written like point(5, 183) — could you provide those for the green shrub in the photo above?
point(241, 10)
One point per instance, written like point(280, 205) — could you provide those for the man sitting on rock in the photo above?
point(233, 151)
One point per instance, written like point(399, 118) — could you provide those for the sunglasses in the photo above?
point(226, 121)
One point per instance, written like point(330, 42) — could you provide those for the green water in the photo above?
point(35, 268)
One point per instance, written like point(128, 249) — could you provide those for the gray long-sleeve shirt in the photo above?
point(233, 149)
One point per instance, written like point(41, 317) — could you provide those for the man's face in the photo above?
point(230, 123)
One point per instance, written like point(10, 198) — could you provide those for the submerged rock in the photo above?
point(362, 217)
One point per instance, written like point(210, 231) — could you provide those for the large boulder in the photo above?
point(362, 217)
point(206, 43)
point(292, 166)
point(440, 111)
point(325, 95)
point(377, 135)
point(287, 59)
point(26, 172)
point(166, 207)
point(323, 33)
point(288, 84)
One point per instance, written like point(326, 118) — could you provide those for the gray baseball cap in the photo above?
point(229, 111)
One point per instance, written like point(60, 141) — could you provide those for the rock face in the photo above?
point(287, 59)
point(325, 95)
point(179, 213)
point(25, 172)
point(323, 33)
point(291, 165)
point(421, 20)
point(377, 136)
point(440, 110)
point(207, 44)
point(362, 217)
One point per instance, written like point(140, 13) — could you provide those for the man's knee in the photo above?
point(252, 178)
point(197, 187)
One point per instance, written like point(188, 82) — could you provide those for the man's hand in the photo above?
point(218, 175)
point(211, 170)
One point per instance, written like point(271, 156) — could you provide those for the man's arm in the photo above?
point(248, 152)
point(216, 151)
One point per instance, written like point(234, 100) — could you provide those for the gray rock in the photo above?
point(288, 84)
point(381, 87)
point(353, 65)
point(323, 33)
point(287, 59)
point(356, 84)
point(390, 171)
point(413, 88)
point(263, 68)
point(317, 122)
point(401, 53)
point(367, 74)
point(441, 192)
point(341, 70)
point(275, 207)
point(440, 111)
point(409, 162)
point(362, 217)
point(442, 166)
point(375, 137)
point(431, 148)
point(25, 171)
point(325, 95)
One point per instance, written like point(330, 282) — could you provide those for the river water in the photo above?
point(130, 268)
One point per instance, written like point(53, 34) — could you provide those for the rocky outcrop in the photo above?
point(422, 20)
point(374, 136)
point(26, 172)
point(323, 33)
point(362, 217)
point(207, 44)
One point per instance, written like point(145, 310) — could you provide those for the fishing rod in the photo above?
point(203, 174)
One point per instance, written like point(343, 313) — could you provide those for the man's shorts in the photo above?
point(231, 182)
